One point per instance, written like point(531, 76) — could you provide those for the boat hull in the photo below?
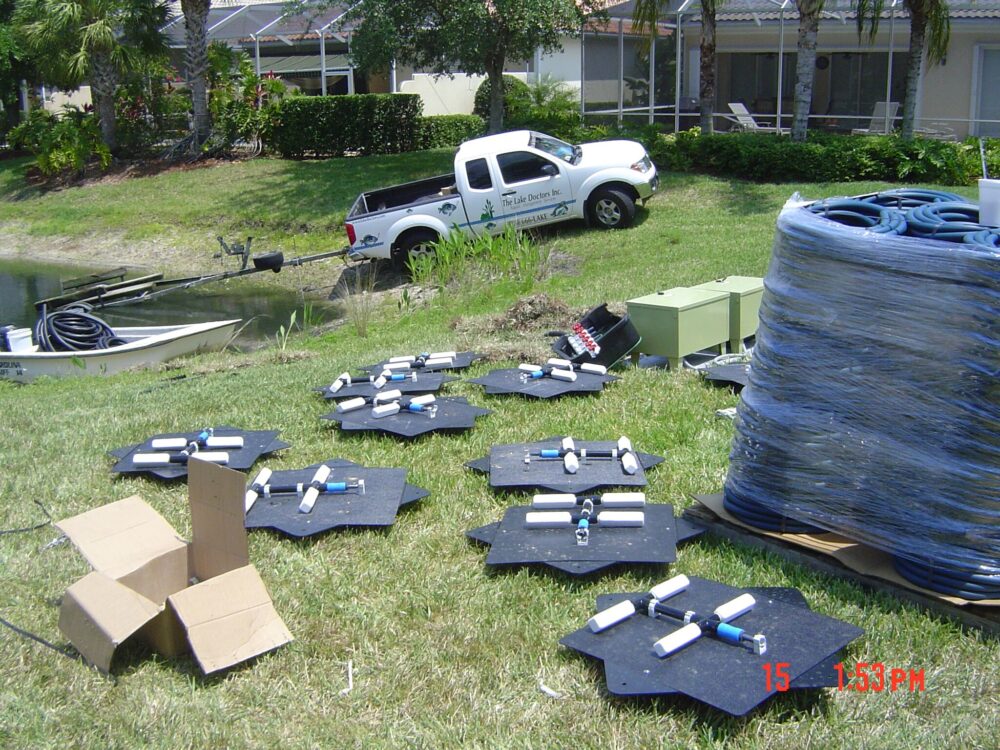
point(144, 346)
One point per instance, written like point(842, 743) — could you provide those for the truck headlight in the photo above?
point(644, 165)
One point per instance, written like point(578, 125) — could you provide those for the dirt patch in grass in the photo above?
point(519, 333)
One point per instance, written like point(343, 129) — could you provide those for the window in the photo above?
point(479, 174)
point(521, 166)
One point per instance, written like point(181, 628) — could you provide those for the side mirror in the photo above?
point(550, 169)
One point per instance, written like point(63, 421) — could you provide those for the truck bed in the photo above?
point(408, 194)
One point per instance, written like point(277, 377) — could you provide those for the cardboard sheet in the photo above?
point(858, 557)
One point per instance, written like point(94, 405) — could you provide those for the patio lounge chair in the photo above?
point(878, 124)
point(746, 123)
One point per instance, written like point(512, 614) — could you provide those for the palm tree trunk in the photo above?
point(103, 82)
point(196, 63)
point(805, 66)
point(918, 33)
point(495, 73)
point(706, 75)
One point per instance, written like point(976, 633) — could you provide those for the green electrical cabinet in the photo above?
point(745, 293)
point(680, 321)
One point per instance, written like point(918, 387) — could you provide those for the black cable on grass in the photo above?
point(41, 525)
point(38, 639)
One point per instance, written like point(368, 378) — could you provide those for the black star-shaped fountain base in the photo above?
point(498, 382)
point(508, 471)
point(256, 443)
point(424, 382)
point(725, 676)
point(453, 415)
point(385, 491)
point(513, 544)
point(460, 361)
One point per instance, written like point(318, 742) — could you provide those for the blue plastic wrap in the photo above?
point(873, 404)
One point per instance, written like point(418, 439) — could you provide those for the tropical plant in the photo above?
point(930, 32)
point(474, 37)
point(93, 40)
point(805, 65)
point(61, 144)
point(647, 13)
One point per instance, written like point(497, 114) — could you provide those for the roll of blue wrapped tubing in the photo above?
point(873, 408)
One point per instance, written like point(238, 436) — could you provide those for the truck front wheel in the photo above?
point(611, 209)
point(414, 244)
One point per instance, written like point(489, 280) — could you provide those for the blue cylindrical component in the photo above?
point(203, 436)
point(416, 408)
point(583, 523)
point(550, 452)
point(335, 487)
point(397, 377)
point(729, 633)
point(537, 374)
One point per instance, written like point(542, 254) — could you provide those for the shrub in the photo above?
point(335, 125)
point(148, 110)
point(449, 131)
point(62, 143)
point(516, 100)
point(553, 108)
point(823, 158)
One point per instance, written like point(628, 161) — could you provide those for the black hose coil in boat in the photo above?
point(73, 330)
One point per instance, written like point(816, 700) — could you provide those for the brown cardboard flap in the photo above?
point(219, 539)
point(122, 537)
point(98, 614)
point(857, 556)
point(229, 619)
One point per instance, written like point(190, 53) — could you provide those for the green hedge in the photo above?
point(335, 125)
point(449, 131)
point(823, 158)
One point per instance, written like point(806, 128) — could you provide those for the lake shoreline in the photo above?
point(112, 250)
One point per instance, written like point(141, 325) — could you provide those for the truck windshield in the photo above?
point(550, 145)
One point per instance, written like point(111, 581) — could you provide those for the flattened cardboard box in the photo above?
point(858, 557)
point(143, 573)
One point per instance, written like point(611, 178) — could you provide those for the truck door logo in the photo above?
point(487, 213)
point(447, 208)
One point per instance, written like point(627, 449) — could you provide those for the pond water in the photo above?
point(266, 308)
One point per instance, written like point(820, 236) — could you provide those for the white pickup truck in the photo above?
point(521, 177)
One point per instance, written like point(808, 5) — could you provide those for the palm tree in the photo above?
point(805, 65)
point(930, 31)
point(95, 41)
point(196, 63)
point(647, 13)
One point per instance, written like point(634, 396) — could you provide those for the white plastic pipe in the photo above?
point(529, 368)
point(623, 499)
point(393, 395)
point(670, 587)
point(560, 500)
point(439, 362)
point(571, 463)
point(567, 375)
point(629, 464)
point(385, 410)
point(677, 640)
point(311, 494)
point(350, 404)
point(621, 518)
point(606, 618)
point(259, 481)
point(548, 519)
point(163, 459)
point(557, 362)
point(592, 368)
point(402, 359)
point(568, 444)
point(427, 398)
point(214, 441)
point(736, 607)
point(443, 355)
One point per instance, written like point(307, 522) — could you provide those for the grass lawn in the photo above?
point(445, 654)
